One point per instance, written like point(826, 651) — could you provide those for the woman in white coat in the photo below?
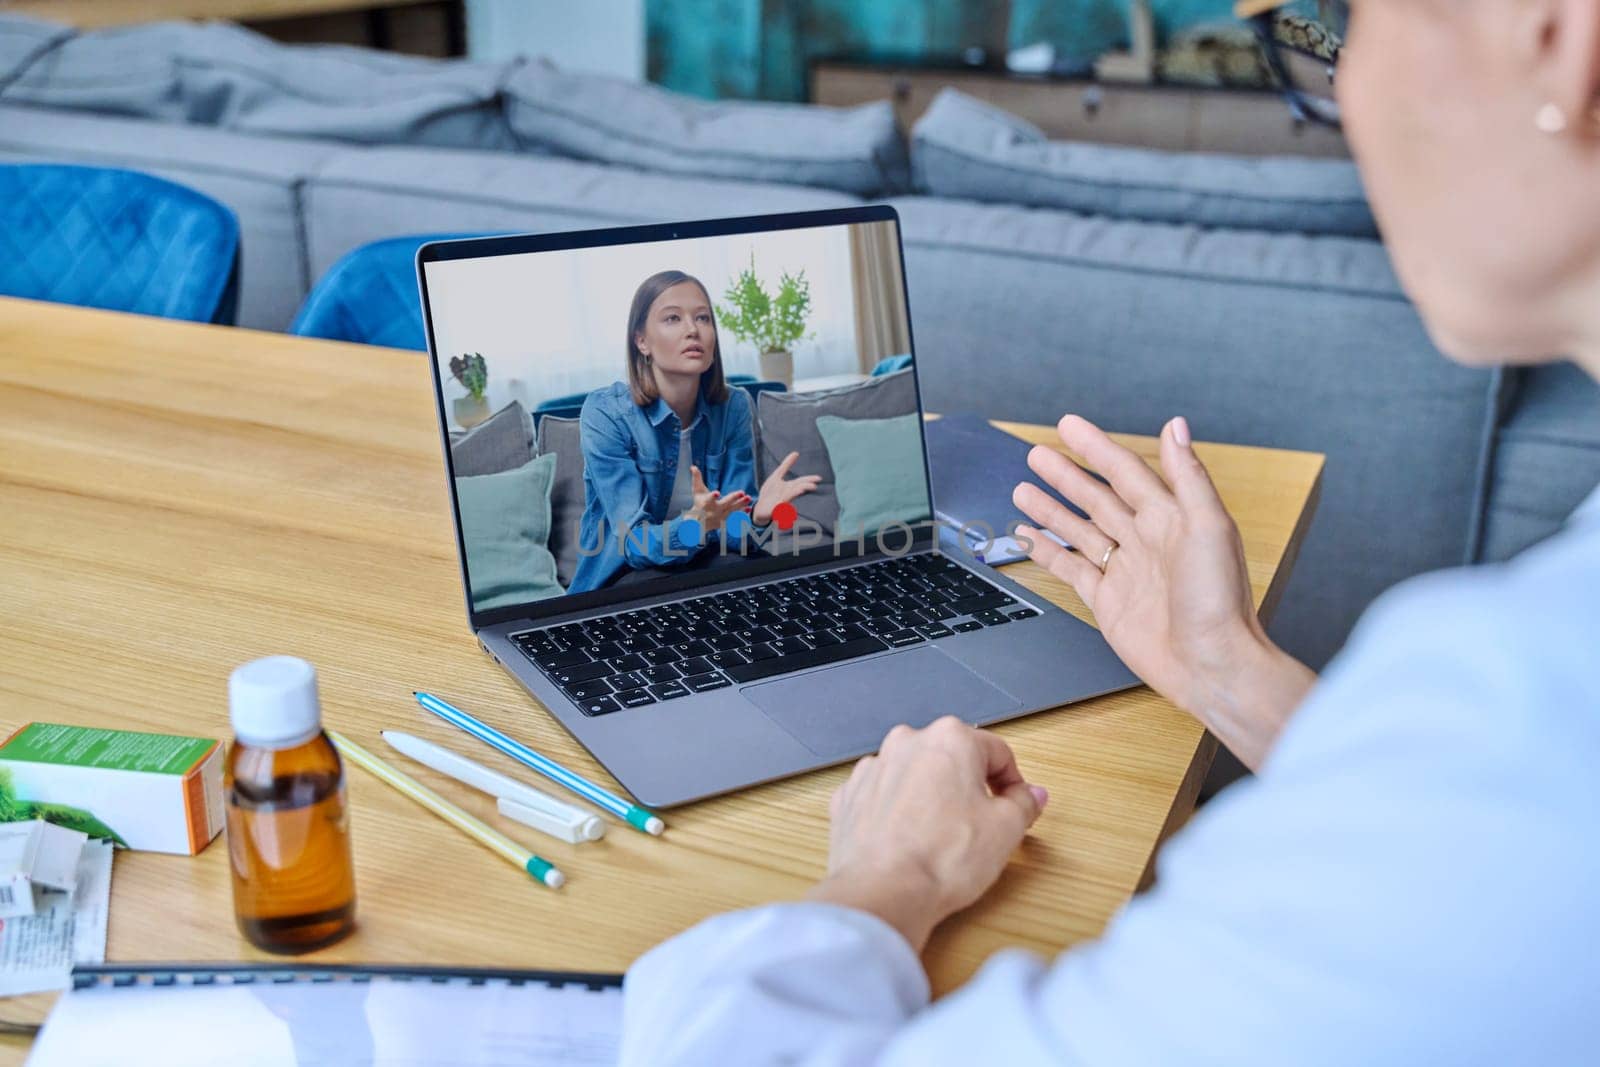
point(1412, 875)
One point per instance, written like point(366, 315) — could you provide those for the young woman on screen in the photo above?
point(669, 465)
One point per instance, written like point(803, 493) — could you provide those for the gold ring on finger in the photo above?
point(1105, 557)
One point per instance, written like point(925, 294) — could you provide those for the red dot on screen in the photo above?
point(784, 515)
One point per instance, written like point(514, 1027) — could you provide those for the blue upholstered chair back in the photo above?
point(116, 239)
point(370, 296)
point(562, 407)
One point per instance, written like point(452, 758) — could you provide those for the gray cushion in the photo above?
point(560, 437)
point(220, 74)
point(24, 41)
point(130, 71)
point(502, 442)
point(257, 177)
point(963, 148)
point(589, 116)
point(364, 194)
point(1547, 459)
point(789, 424)
point(1265, 339)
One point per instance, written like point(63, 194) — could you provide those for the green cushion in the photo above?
point(878, 471)
point(505, 521)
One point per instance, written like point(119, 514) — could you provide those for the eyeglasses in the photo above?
point(1302, 53)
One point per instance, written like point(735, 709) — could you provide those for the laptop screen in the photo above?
point(677, 411)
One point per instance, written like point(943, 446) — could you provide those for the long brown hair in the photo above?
point(640, 378)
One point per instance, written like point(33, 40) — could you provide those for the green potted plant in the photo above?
point(772, 323)
point(473, 374)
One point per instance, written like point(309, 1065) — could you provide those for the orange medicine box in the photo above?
point(157, 792)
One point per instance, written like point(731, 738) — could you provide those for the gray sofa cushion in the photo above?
point(1265, 339)
point(856, 150)
point(966, 149)
point(257, 177)
point(24, 41)
point(220, 74)
point(364, 194)
point(789, 424)
point(1547, 459)
point(502, 442)
point(560, 436)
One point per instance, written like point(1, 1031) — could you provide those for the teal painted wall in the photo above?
point(759, 48)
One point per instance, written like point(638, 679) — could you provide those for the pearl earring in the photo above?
point(1551, 119)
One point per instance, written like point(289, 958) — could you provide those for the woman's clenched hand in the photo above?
point(923, 828)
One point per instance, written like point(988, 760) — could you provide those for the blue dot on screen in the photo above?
point(689, 531)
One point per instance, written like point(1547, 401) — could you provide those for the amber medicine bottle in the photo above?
point(294, 885)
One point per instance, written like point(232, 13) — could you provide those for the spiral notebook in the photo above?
point(275, 1016)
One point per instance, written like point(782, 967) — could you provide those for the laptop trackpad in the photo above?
point(847, 709)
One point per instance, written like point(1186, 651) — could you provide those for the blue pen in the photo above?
point(632, 814)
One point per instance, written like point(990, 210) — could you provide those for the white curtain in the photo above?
point(882, 326)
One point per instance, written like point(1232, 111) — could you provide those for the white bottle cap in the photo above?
point(273, 702)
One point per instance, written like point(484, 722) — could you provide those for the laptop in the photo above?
point(712, 569)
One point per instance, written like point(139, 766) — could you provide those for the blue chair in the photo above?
point(890, 364)
point(753, 385)
point(117, 239)
point(562, 407)
point(370, 296)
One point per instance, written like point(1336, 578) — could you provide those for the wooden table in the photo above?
point(98, 14)
point(177, 499)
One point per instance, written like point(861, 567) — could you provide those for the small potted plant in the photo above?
point(772, 323)
point(473, 374)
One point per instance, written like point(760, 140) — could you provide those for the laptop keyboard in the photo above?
point(649, 655)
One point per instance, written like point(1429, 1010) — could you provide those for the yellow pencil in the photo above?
point(542, 870)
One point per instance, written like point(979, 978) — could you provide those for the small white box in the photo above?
point(36, 854)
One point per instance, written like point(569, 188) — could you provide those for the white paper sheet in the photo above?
point(381, 1023)
point(37, 952)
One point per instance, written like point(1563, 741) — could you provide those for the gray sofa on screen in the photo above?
point(1252, 296)
point(780, 423)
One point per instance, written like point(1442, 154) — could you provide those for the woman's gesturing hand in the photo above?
point(711, 509)
point(923, 828)
point(1174, 598)
point(779, 488)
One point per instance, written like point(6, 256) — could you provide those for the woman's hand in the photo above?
point(923, 828)
point(1174, 599)
point(779, 488)
point(711, 509)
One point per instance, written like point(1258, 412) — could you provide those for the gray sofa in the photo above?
point(1252, 296)
point(781, 422)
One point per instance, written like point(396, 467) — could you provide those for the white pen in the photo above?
point(515, 800)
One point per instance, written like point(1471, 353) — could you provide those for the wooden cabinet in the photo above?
point(1177, 118)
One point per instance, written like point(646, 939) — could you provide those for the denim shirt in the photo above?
point(630, 458)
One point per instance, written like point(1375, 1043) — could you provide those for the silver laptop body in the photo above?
point(916, 627)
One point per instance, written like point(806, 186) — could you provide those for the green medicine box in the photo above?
point(158, 792)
